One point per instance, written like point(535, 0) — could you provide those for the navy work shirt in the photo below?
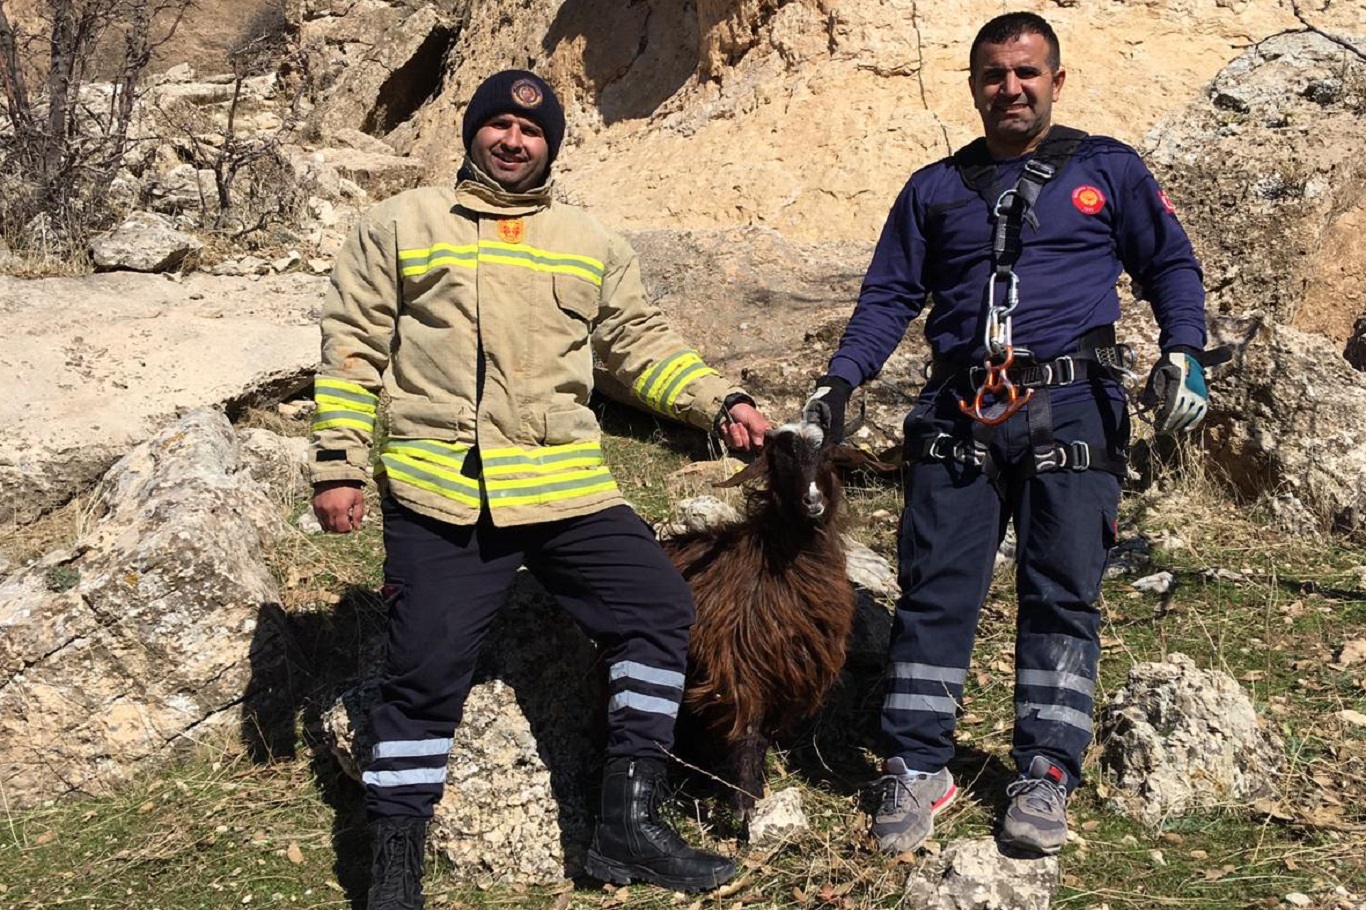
point(1102, 212)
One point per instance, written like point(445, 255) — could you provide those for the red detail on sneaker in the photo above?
point(1055, 774)
point(944, 800)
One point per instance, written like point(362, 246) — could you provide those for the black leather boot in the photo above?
point(396, 870)
point(631, 842)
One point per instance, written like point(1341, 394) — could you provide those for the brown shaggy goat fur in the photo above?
point(774, 604)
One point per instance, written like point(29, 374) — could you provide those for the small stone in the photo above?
point(1296, 899)
point(1159, 583)
point(1157, 858)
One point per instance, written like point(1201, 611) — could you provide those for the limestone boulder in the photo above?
point(1176, 738)
point(525, 764)
point(973, 874)
point(96, 365)
point(142, 641)
point(1286, 425)
point(378, 62)
point(144, 242)
point(1265, 173)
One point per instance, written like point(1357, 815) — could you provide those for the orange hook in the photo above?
point(997, 381)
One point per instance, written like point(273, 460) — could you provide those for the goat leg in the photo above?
point(746, 773)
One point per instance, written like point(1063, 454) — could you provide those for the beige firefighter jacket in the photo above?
point(478, 314)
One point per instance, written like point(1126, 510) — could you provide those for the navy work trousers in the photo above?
point(951, 527)
point(445, 585)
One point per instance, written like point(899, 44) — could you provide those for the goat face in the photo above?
point(799, 475)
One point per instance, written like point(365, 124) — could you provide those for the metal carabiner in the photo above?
point(996, 382)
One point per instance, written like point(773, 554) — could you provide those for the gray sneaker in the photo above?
point(907, 805)
point(1036, 820)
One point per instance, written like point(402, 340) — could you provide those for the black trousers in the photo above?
point(446, 583)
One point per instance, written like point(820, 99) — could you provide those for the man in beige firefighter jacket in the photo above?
point(479, 311)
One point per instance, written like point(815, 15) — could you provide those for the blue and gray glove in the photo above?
point(827, 405)
point(1176, 392)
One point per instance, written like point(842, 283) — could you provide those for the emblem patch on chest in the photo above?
point(512, 230)
point(1088, 199)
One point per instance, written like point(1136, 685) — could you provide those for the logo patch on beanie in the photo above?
point(527, 93)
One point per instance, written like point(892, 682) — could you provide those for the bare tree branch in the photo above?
point(1336, 39)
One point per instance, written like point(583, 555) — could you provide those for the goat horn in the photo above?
point(847, 456)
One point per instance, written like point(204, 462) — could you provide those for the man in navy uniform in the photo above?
point(1014, 244)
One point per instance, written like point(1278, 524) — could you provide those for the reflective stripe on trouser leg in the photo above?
point(950, 530)
point(608, 571)
point(445, 584)
point(1065, 527)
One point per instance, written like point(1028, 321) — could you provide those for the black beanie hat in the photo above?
point(518, 92)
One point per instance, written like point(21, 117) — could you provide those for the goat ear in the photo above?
point(846, 457)
point(756, 468)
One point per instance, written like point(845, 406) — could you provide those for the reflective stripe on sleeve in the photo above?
point(343, 404)
point(660, 386)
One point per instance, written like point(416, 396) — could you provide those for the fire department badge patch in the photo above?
point(1088, 199)
point(511, 230)
point(1166, 201)
point(526, 93)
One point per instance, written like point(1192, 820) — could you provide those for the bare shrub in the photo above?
point(63, 136)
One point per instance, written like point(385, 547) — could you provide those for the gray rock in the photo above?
point(278, 463)
point(777, 817)
point(1157, 583)
point(974, 875)
point(1286, 418)
point(98, 364)
point(1176, 738)
point(183, 189)
point(143, 641)
point(145, 242)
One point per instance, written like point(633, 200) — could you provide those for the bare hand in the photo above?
point(745, 427)
point(339, 505)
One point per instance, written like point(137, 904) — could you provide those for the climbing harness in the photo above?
point(1008, 377)
point(1011, 209)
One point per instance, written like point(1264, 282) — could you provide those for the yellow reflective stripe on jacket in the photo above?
point(538, 260)
point(660, 387)
point(525, 491)
point(546, 460)
point(447, 454)
point(343, 404)
point(420, 261)
point(427, 476)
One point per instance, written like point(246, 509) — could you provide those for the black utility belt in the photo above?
point(1108, 362)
